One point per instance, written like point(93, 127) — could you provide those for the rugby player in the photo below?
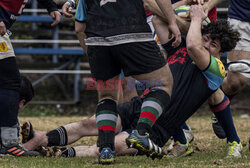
point(152, 7)
point(26, 94)
point(238, 60)
point(118, 37)
point(187, 78)
point(9, 75)
point(200, 48)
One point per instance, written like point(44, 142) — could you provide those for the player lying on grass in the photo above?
point(206, 74)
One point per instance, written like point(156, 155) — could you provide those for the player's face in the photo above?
point(213, 46)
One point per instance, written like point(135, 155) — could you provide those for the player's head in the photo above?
point(219, 37)
point(26, 92)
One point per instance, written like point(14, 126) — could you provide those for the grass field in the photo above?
point(209, 150)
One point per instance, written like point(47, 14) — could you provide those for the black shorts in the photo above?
point(130, 113)
point(133, 58)
point(9, 74)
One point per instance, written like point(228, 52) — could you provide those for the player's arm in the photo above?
point(169, 16)
point(79, 29)
point(80, 25)
point(151, 5)
point(67, 8)
point(183, 24)
point(196, 50)
point(2, 28)
point(210, 4)
point(52, 9)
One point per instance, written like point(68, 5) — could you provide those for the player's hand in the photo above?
point(200, 2)
point(174, 30)
point(2, 28)
point(56, 16)
point(198, 13)
point(66, 10)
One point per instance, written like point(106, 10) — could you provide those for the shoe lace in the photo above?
point(231, 148)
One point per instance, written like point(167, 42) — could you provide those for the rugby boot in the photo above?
point(180, 150)
point(218, 130)
point(106, 156)
point(234, 150)
point(171, 145)
point(27, 132)
point(188, 134)
point(17, 150)
point(145, 145)
point(51, 151)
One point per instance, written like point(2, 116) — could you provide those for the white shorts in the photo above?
point(149, 21)
point(244, 30)
point(6, 49)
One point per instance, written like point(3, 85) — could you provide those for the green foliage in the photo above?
point(39, 110)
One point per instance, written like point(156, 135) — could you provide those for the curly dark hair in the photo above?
point(26, 89)
point(224, 32)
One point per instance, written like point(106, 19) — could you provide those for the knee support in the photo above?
point(240, 66)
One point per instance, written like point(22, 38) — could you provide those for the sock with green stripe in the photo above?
point(154, 103)
point(106, 118)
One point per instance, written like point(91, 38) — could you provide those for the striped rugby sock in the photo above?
point(106, 118)
point(223, 113)
point(152, 107)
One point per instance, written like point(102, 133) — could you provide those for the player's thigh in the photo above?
point(139, 57)
point(144, 61)
point(105, 70)
point(242, 49)
point(102, 64)
point(121, 147)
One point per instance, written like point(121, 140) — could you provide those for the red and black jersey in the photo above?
point(11, 9)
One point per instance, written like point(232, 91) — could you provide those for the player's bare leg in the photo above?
point(162, 95)
point(74, 131)
point(236, 81)
point(153, 105)
point(92, 151)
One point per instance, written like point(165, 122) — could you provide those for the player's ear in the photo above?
point(21, 105)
